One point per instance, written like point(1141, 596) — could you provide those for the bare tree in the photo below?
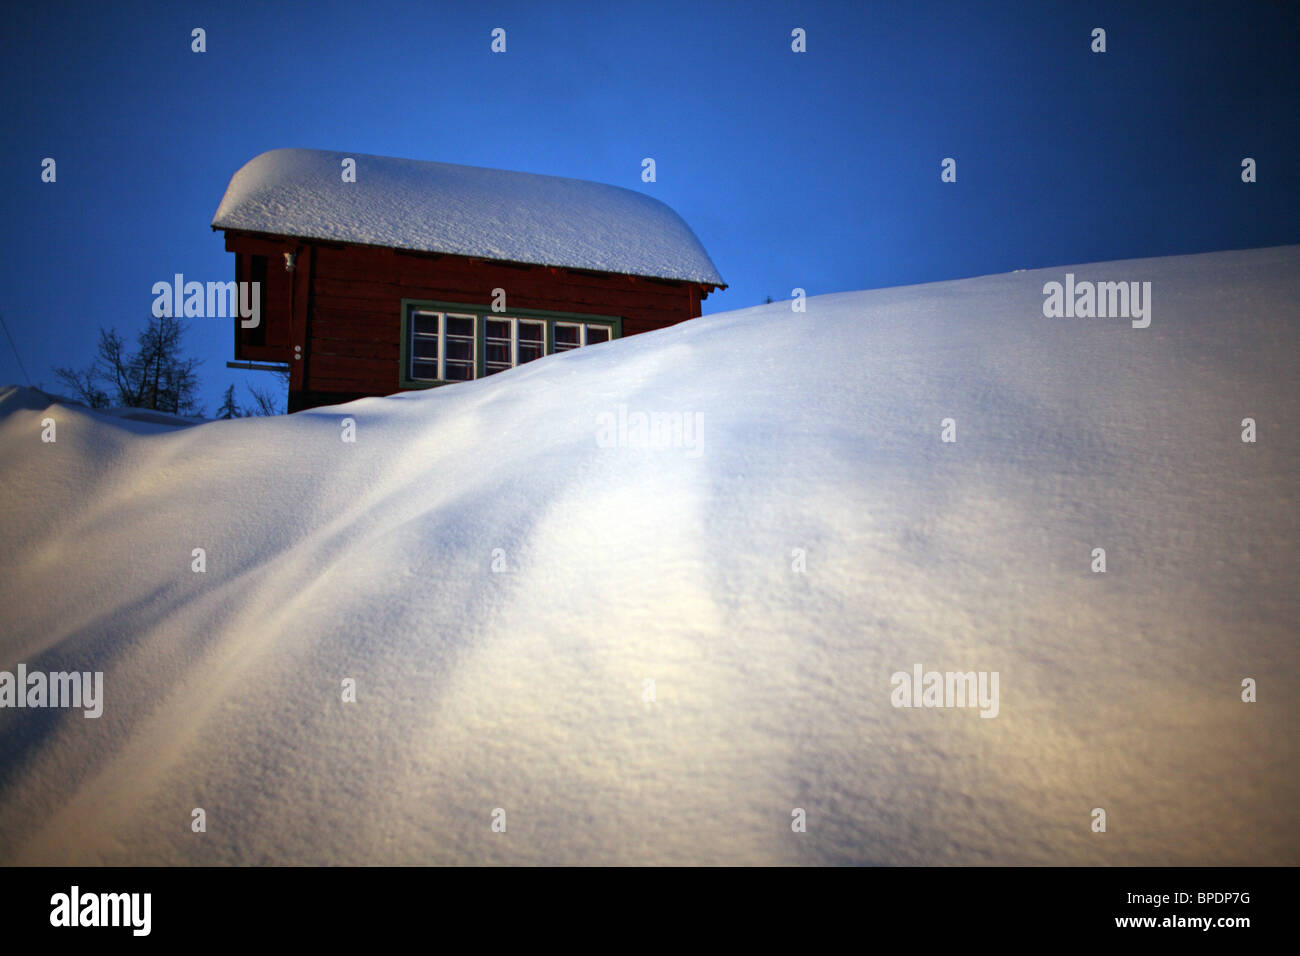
point(153, 376)
point(265, 401)
point(83, 385)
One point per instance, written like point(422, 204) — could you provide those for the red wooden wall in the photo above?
point(341, 306)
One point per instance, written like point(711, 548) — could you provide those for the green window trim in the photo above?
point(481, 314)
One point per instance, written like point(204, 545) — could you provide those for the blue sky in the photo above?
point(819, 170)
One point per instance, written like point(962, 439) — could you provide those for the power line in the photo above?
point(15, 348)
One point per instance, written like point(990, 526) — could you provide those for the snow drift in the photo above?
point(607, 637)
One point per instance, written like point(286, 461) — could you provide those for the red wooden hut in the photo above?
point(379, 274)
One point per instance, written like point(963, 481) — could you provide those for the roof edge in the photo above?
point(235, 230)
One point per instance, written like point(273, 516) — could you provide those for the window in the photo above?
point(509, 342)
point(567, 336)
point(532, 341)
point(458, 348)
point(441, 346)
point(572, 335)
point(500, 345)
point(424, 345)
point(446, 342)
point(255, 271)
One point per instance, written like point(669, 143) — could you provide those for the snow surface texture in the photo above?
point(523, 690)
point(463, 210)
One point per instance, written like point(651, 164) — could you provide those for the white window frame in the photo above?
point(514, 339)
point(582, 335)
point(411, 358)
point(473, 345)
point(543, 322)
point(515, 321)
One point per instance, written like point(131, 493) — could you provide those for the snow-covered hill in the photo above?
point(810, 441)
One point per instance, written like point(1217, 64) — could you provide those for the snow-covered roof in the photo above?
point(463, 210)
